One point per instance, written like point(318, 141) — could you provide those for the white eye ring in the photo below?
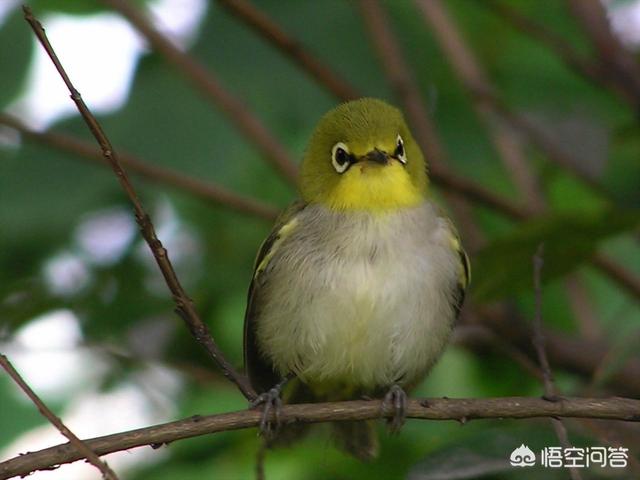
point(400, 153)
point(340, 157)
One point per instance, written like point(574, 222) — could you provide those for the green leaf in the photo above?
point(504, 267)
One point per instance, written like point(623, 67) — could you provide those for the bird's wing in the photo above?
point(257, 367)
point(464, 273)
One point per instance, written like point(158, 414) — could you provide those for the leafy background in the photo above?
point(128, 335)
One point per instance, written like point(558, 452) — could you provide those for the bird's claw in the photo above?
point(271, 408)
point(396, 399)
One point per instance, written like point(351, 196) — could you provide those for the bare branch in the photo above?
point(433, 409)
point(184, 305)
point(272, 33)
point(79, 447)
point(208, 191)
point(205, 80)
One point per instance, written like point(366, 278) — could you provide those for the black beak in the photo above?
point(377, 156)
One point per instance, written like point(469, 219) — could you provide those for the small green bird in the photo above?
point(356, 289)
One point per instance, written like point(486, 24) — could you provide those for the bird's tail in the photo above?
point(357, 438)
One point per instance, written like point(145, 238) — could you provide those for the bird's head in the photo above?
point(362, 156)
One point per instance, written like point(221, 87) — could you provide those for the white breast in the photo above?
point(361, 299)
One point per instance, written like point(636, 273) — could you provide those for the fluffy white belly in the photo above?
point(366, 300)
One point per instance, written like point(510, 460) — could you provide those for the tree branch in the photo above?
point(461, 410)
point(79, 447)
point(184, 305)
point(205, 80)
point(208, 191)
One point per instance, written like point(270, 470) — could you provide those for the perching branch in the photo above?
point(461, 410)
point(77, 445)
point(184, 305)
point(205, 80)
point(208, 191)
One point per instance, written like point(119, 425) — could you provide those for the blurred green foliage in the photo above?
point(45, 194)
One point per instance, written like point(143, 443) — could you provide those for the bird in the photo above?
point(356, 290)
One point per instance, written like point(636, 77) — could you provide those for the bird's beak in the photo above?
point(376, 156)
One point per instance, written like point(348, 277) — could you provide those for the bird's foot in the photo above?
point(396, 399)
point(271, 402)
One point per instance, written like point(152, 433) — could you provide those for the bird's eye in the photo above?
point(400, 154)
point(340, 157)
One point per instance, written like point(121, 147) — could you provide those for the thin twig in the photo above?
point(208, 191)
point(205, 80)
point(550, 391)
point(184, 305)
point(270, 31)
point(432, 408)
point(79, 447)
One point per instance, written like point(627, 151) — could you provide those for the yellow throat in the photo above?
point(376, 188)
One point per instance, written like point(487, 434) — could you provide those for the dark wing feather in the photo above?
point(258, 368)
point(464, 275)
point(463, 281)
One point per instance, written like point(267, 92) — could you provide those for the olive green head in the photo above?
point(362, 156)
